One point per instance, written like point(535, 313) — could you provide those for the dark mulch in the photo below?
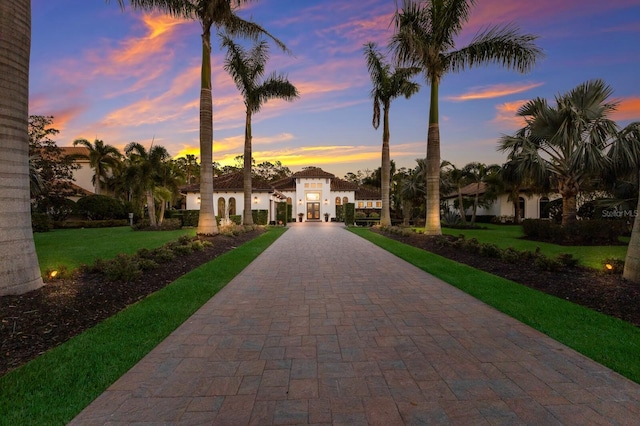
point(32, 323)
point(606, 293)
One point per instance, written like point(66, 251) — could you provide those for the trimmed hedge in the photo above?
point(187, 217)
point(349, 213)
point(76, 224)
point(101, 207)
point(260, 217)
point(582, 232)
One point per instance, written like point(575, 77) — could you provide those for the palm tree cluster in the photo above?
point(425, 41)
point(139, 177)
point(572, 145)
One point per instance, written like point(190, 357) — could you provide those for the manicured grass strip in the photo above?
point(55, 387)
point(505, 236)
point(74, 247)
point(607, 340)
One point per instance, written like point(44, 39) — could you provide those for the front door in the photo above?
point(313, 211)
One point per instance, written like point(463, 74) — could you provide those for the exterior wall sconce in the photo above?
point(255, 200)
point(326, 201)
point(300, 202)
point(198, 200)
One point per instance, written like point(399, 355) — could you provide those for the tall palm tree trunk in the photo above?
point(475, 205)
point(151, 208)
point(385, 215)
point(247, 217)
point(432, 224)
point(632, 260)
point(207, 220)
point(463, 216)
point(18, 260)
point(568, 188)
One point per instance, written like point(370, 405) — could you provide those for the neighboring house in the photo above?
point(531, 206)
point(83, 177)
point(312, 192)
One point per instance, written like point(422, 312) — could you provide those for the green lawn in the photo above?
point(55, 387)
point(607, 340)
point(74, 247)
point(511, 236)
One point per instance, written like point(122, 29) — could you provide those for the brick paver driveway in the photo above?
point(324, 327)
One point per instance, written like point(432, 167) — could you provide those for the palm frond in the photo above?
point(502, 45)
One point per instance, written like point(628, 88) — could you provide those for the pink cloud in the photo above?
point(628, 109)
point(494, 91)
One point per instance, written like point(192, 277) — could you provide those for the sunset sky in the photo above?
point(127, 76)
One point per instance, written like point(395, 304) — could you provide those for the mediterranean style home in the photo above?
point(311, 192)
point(532, 206)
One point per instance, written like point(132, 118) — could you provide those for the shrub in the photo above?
point(511, 255)
point(99, 207)
point(360, 215)
point(122, 268)
point(567, 260)
point(582, 232)
point(546, 263)
point(182, 250)
point(260, 217)
point(187, 218)
point(197, 245)
point(40, 222)
point(374, 215)
point(349, 214)
point(76, 224)
point(490, 250)
point(451, 218)
point(147, 264)
point(166, 225)
point(144, 253)
point(163, 254)
point(185, 239)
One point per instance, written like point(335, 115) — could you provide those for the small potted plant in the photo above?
point(300, 215)
point(326, 217)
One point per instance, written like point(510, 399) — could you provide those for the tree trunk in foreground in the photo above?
point(247, 216)
point(18, 260)
point(385, 172)
point(432, 224)
point(207, 220)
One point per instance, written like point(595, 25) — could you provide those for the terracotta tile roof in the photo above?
point(469, 190)
point(285, 184)
point(75, 150)
point(338, 184)
point(231, 182)
point(313, 172)
point(368, 193)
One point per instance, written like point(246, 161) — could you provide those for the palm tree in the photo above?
point(458, 178)
point(18, 260)
point(145, 166)
point(102, 159)
point(567, 141)
point(209, 13)
point(247, 69)
point(478, 173)
point(388, 84)
point(625, 156)
point(425, 37)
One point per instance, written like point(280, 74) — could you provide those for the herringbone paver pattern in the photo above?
point(324, 327)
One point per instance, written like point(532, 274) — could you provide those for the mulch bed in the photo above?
point(33, 323)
